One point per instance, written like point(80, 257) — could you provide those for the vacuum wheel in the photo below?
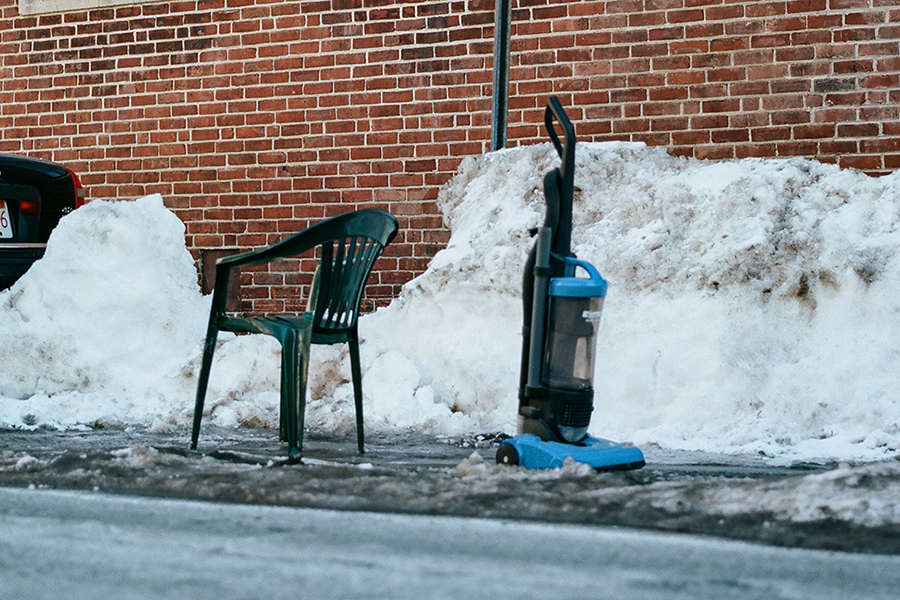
point(507, 455)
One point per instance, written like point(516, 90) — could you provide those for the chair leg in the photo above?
point(209, 349)
point(356, 372)
point(294, 368)
point(301, 379)
point(283, 409)
point(288, 417)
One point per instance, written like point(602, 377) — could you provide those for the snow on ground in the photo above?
point(751, 310)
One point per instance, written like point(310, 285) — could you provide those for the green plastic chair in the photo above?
point(349, 245)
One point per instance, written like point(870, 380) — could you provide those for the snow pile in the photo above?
point(864, 495)
point(475, 468)
point(108, 329)
point(751, 310)
point(136, 457)
point(103, 327)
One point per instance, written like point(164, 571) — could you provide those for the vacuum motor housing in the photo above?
point(563, 402)
point(572, 320)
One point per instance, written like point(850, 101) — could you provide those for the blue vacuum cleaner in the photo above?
point(560, 318)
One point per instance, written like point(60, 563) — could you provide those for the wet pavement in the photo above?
point(94, 545)
point(679, 492)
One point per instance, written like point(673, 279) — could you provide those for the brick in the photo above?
point(891, 80)
point(709, 122)
point(867, 130)
point(714, 152)
point(823, 130)
point(880, 145)
point(689, 47)
point(861, 162)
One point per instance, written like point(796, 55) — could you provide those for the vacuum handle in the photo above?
point(555, 109)
point(562, 235)
point(593, 273)
point(539, 307)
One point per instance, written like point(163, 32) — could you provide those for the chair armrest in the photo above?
point(293, 245)
point(297, 243)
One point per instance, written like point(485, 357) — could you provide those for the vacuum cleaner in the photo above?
point(560, 318)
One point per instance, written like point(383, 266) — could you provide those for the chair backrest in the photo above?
point(350, 245)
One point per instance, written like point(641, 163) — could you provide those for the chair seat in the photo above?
point(266, 325)
point(273, 325)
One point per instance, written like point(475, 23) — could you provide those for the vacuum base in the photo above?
point(532, 452)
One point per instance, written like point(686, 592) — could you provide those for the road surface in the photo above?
point(73, 545)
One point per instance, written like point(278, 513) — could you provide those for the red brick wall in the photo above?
point(254, 118)
point(718, 78)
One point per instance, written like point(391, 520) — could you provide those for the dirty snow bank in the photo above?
point(752, 306)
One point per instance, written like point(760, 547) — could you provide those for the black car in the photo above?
point(34, 195)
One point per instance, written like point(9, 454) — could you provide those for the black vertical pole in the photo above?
point(500, 106)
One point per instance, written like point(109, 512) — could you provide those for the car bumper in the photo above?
point(15, 259)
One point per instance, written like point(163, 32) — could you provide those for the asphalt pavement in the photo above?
point(92, 545)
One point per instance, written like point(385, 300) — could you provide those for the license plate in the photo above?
point(5, 222)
